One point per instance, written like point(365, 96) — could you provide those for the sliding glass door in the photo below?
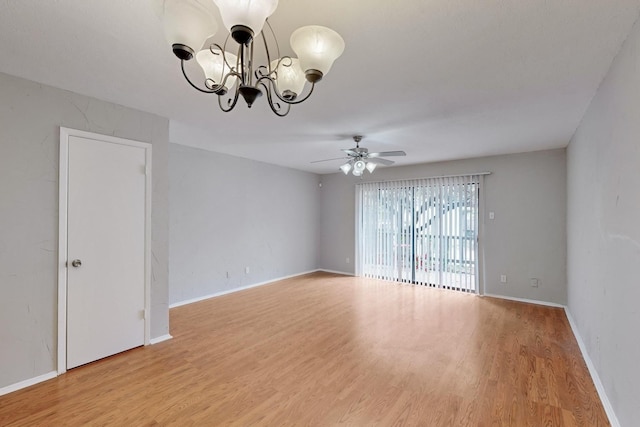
point(420, 231)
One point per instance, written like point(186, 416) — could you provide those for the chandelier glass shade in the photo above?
point(231, 73)
point(246, 13)
point(214, 66)
point(291, 78)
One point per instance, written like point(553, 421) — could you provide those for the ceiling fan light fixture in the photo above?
point(371, 167)
point(360, 158)
point(359, 166)
point(346, 168)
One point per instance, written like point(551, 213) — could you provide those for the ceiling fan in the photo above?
point(359, 158)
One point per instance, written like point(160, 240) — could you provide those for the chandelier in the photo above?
point(285, 80)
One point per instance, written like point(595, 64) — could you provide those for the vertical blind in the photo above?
point(422, 231)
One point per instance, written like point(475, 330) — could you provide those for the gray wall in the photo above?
point(526, 239)
point(229, 213)
point(603, 176)
point(30, 117)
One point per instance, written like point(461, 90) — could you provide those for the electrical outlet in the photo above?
point(247, 270)
point(228, 275)
point(348, 260)
point(492, 215)
point(534, 282)
point(503, 278)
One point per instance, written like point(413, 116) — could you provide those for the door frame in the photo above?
point(65, 133)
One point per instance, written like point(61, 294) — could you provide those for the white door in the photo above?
point(106, 248)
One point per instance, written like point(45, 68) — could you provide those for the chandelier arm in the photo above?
point(299, 101)
point(263, 71)
point(266, 49)
point(184, 73)
point(237, 66)
point(223, 52)
point(275, 90)
point(275, 39)
point(275, 106)
point(223, 49)
point(218, 87)
point(232, 103)
point(266, 71)
point(224, 45)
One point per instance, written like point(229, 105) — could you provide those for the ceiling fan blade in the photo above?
point(380, 161)
point(350, 152)
point(387, 154)
point(328, 160)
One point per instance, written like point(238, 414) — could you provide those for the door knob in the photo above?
point(76, 263)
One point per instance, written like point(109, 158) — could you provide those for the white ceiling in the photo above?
point(439, 79)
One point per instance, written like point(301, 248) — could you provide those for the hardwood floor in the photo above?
point(325, 350)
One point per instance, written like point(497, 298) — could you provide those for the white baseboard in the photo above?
point(528, 301)
point(242, 288)
point(344, 273)
point(613, 419)
point(160, 339)
point(27, 383)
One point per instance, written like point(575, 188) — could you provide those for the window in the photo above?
point(420, 231)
